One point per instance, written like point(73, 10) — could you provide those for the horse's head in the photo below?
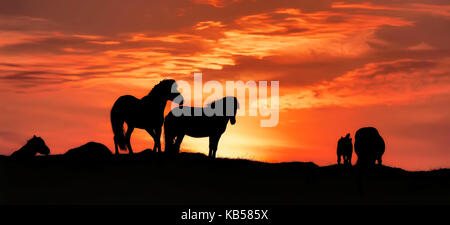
point(168, 88)
point(38, 145)
point(230, 105)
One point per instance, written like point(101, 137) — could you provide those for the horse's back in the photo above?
point(369, 143)
point(345, 147)
point(369, 137)
point(125, 100)
point(123, 105)
point(22, 154)
point(90, 150)
point(192, 125)
point(16, 154)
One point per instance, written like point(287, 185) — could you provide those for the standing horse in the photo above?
point(345, 150)
point(369, 146)
point(211, 122)
point(146, 113)
point(29, 150)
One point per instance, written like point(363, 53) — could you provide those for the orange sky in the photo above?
point(341, 65)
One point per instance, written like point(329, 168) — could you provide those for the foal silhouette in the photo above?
point(29, 150)
point(345, 150)
point(211, 123)
point(146, 113)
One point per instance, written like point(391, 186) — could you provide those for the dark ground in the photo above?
point(191, 179)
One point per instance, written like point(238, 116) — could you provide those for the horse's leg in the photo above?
point(169, 141)
point(178, 142)
point(155, 141)
point(339, 159)
point(210, 154)
point(158, 138)
point(128, 138)
point(117, 149)
point(152, 133)
point(216, 145)
point(156, 135)
point(379, 160)
point(213, 142)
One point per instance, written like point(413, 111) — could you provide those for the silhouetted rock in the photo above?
point(29, 150)
point(345, 150)
point(146, 113)
point(89, 151)
point(213, 125)
point(369, 146)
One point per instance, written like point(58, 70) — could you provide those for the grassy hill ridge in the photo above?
point(193, 178)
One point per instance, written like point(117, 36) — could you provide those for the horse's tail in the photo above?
point(119, 135)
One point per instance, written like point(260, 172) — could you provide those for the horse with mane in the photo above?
point(345, 150)
point(29, 150)
point(146, 113)
point(210, 121)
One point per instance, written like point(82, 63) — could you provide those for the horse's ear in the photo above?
point(212, 105)
point(34, 136)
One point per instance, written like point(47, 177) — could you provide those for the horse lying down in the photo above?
point(31, 148)
point(89, 151)
point(210, 121)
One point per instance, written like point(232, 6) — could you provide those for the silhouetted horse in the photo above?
point(89, 151)
point(146, 113)
point(207, 124)
point(369, 146)
point(345, 149)
point(29, 150)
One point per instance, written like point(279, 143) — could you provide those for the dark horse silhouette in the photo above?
point(89, 151)
point(146, 113)
point(369, 146)
point(29, 150)
point(345, 149)
point(207, 124)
